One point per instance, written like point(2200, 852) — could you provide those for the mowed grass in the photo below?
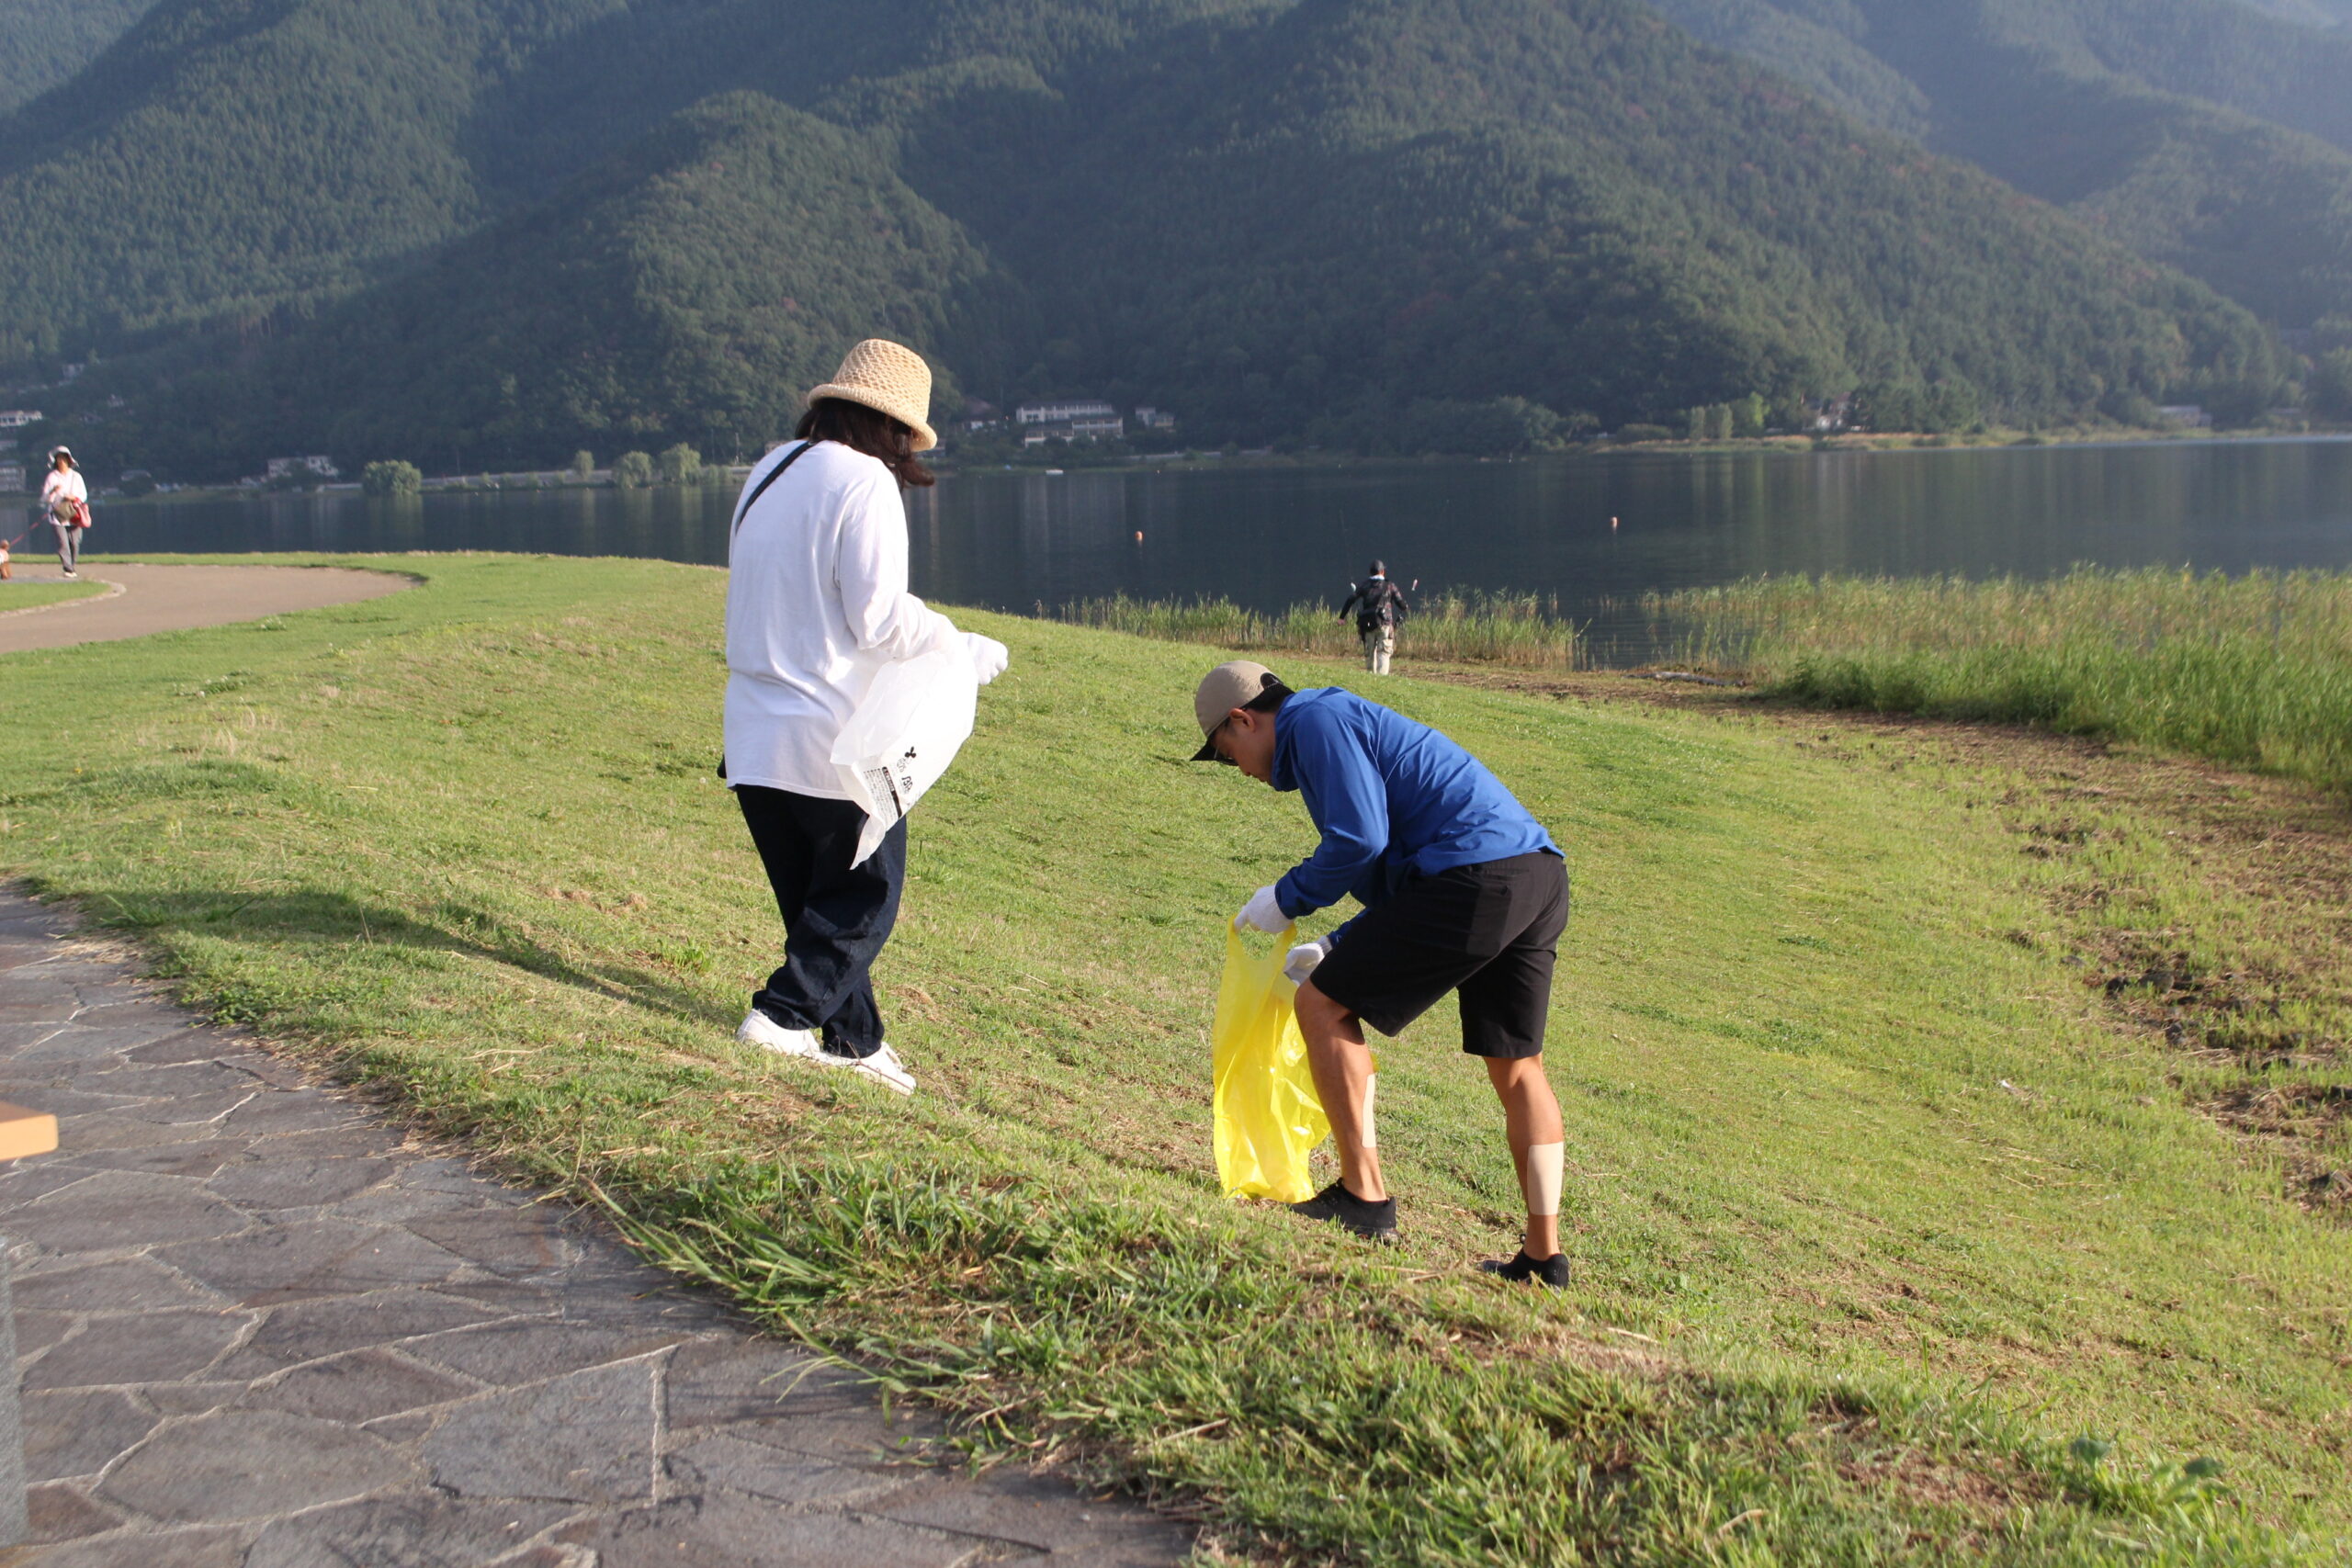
point(2254, 671)
point(18, 594)
point(1888, 1251)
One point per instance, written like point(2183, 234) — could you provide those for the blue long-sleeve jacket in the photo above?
point(1392, 799)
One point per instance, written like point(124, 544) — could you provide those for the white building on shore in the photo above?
point(1065, 412)
point(322, 467)
point(1088, 417)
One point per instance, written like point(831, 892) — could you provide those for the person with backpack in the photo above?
point(1463, 891)
point(65, 502)
point(816, 604)
point(1381, 607)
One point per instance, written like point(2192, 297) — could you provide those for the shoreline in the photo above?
point(1774, 445)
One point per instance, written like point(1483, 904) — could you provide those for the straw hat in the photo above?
point(885, 376)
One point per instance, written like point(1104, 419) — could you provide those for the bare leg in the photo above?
point(1342, 1068)
point(1532, 1120)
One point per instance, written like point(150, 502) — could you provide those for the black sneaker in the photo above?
point(1551, 1272)
point(1375, 1222)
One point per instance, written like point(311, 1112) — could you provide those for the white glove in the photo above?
point(1263, 913)
point(989, 656)
point(1301, 961)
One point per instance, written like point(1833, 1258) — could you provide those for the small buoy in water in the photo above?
point(1139, 535)
point(1613, 524)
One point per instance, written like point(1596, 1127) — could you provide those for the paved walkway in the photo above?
point(258, 1329)
point(177, 598)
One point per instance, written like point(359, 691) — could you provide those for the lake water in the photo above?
point(1270, 537)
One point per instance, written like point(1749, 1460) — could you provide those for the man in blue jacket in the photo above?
point(1463, 891)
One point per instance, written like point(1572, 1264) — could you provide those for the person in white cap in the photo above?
point(1463, 891)
point(65, 502)
point(817, 604)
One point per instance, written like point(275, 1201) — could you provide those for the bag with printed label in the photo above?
point(1269, 1119)
point(907, 730)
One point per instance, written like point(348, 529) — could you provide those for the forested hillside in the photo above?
point(688, 289)
point(2199, 132)
point(44, 42)
point(478, 232)
point(2315, 12)
point(1565, 202)
point(225, 159)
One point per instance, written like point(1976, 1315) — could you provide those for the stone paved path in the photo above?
point(177, 598)
point(257, 1329)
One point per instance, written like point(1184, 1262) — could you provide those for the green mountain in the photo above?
point(2200, 134)
point(226, 159)
point(2313, 13)
point(688, 289)
point(1354, 206)
point(45, 43)
point(237, 162)
point(478, 232)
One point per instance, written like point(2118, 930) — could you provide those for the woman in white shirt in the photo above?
point(817, 604)
point(65, 502)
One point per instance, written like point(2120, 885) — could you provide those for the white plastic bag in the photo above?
point(908, 726)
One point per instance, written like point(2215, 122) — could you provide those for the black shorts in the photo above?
point(1490, 932)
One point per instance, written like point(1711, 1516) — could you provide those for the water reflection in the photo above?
point(1271, 536)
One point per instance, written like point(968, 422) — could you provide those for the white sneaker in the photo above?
point(765, 1032)
point(883, 1067)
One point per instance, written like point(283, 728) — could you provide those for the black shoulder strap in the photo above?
point(773, 475)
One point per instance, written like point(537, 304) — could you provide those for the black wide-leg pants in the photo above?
point(836, 916)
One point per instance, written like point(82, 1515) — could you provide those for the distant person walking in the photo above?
point(816, 604)
point(1379, 606)
point(65, 502)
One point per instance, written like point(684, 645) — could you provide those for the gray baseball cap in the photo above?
point(1230, 685)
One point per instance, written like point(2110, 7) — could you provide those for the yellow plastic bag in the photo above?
point(1268, 1117)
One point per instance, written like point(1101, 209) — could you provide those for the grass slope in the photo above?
point(1871, 1215)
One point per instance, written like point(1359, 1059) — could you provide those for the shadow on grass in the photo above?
point(336, 920)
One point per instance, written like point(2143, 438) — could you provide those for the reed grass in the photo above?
point(1524, 630)
point(2254, 671)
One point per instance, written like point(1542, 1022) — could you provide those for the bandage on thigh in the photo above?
point(1371, 1138)
point(1543, 1181)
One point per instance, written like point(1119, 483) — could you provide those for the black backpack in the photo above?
point(1383, 606)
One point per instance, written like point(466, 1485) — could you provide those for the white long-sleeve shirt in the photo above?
point(817, 604)
point(67, 486)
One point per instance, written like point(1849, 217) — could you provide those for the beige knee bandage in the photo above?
point(1371, 1138)
point(1543, 1184)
